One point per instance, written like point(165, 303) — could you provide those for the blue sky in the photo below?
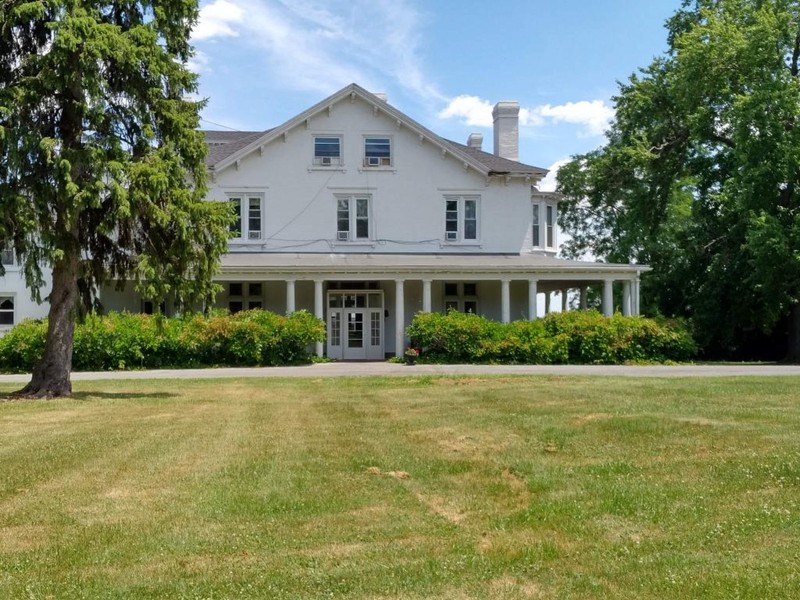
point(443, 62)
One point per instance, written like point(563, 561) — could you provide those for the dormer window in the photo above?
point(377, 152)
point(327, 151)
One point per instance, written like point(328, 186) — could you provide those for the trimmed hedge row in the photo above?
point(575, 337)
point(128, 341)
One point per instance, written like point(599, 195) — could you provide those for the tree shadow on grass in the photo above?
point(84, 396)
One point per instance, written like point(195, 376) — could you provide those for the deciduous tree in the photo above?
point(700, 174)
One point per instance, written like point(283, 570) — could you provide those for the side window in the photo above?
point(6, 310)
point(249, 220)
point(7, 255)
point(550, 227)
point(537, 226)
point(377, 152)
point(327, 150)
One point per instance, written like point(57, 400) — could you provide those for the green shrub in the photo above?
point(129, 341)
point(577, 337)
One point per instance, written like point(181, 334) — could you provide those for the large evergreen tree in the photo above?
point(101, 166)
point(700, 174)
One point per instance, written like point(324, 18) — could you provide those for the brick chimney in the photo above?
point(475, 141)
point(506, 130)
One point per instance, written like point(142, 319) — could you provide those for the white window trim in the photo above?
point(460, 299)
point(246, 297)
point(379, 167)
point(336, 162)
point(245, 197)
point(352, 216)
point(13, 297)
point(543, 225)
point(459, 237)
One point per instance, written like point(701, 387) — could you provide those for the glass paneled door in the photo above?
point(355, 325)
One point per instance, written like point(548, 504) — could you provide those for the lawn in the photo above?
point(451, 488)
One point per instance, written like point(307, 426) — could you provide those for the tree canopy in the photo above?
point(102, 175)
point(699, 177)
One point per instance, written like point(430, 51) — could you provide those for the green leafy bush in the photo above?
point(129, 341)
point(576, 337)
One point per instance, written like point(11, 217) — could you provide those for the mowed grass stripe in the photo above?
point(451, 487)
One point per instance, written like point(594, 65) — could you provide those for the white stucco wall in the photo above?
point(13, 284)
point(408, 205)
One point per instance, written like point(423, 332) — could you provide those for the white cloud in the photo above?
point(548, 184)
point(593, 116)
point(322, 45)
point(218, 19)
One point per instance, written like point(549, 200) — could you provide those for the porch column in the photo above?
point(608, 297)
point(426, 295)
point(290, 296)
point(564, 299)
point(547, 303)
point(584, 298)
point(505, 300)
point(626, 298)
point(636, 296)
point(318, 310)
point(399, 317)
point(532, 297)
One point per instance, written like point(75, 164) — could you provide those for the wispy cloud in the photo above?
point(548, 184)
point(320, 46)
point(592, 116)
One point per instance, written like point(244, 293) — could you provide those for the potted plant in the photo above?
point(411, 355)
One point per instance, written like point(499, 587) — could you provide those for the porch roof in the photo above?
point(419, 266)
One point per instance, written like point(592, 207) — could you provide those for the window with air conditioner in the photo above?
point(377, 152)
point(249, 216)
point(352, 218)
point(461, 218)
point(327, 150)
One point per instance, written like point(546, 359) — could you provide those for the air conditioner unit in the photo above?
point(254, 235)
point(343, 236)
point(452, 236)
point(325, 161)
point(373, 161)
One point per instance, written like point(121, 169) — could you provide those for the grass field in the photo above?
point(451, 488)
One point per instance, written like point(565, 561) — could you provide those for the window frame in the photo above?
point(247, 201)
point(7, 255)
point(335, 160)
point(247, 297)
point(6, 297)
point(461, 299)
point(374, 159)
point(462, 219)
point(544, 216)
point(354, 218)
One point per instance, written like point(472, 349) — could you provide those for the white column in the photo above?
point(636, 296)
point(505, 300)
point(426, 295)
point(532, 298)
point(547, 303)
point(608, 297)
point(290, 296)
point(399, 317)
point(584, 298)
point(626, 298)
point(319, 311)
point(564, 297)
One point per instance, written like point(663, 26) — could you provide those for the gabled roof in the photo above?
point(225, 147)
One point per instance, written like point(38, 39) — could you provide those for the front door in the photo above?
point(355, 325)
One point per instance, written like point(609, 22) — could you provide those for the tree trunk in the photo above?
point(51, 374)
point(793, 343)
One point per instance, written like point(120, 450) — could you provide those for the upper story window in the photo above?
point(6, 310)
point(7, 255)
point(543, 234)
point(327, 150)
point(352, 218)
point(461, 218)
point(377, 152)
point(249, 211)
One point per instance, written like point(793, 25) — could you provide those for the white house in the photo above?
point(354, 211)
